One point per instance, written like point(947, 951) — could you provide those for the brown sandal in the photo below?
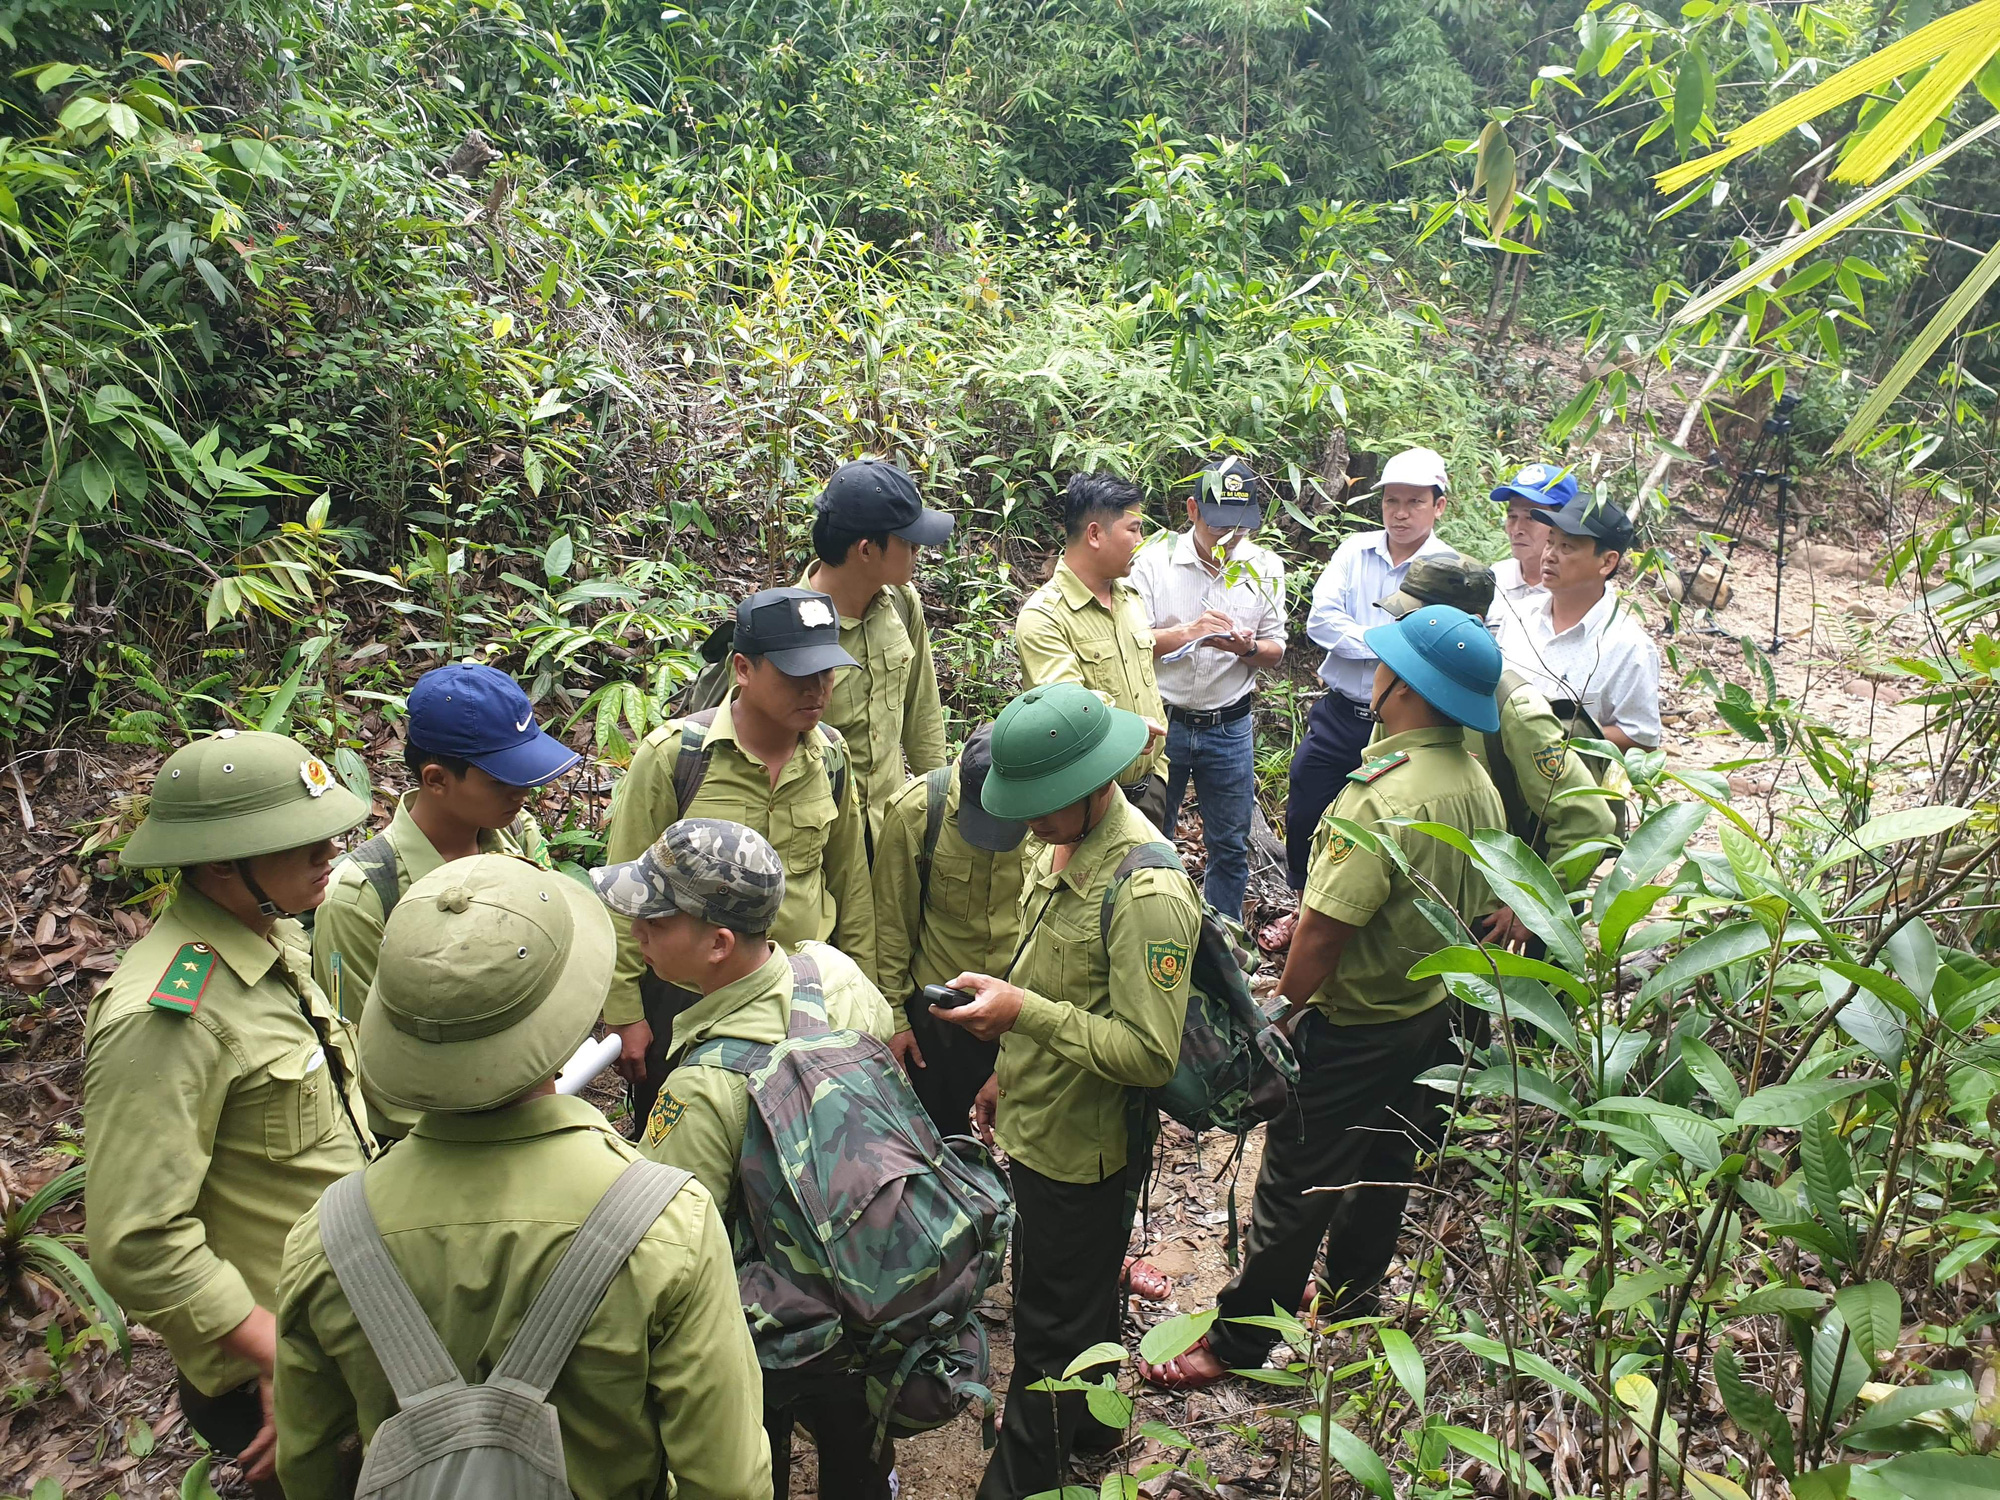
point(1177, 1375)
point(1144, 1280)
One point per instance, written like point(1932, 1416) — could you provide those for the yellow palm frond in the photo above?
point(1957, 308)
point(1968, 36)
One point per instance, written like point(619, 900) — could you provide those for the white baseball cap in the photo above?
point(1419, 466)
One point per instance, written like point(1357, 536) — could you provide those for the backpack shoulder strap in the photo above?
point(808, 998)
point(392, 1320)
point(603, 1242)
point(937, 790)
point(909, 608)
point(1149, 856)
point(691, 758)
point(376, 860)
point(834, 748)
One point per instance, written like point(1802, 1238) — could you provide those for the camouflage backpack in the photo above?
point(1234, 1063)
point(870, 1240)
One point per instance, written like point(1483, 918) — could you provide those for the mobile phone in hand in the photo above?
point(944, 997)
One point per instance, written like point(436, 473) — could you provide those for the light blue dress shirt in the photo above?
point(1346, 602)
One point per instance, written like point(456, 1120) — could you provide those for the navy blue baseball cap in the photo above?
point(1229, 496)
point(1449, 658)
point(1539, 484)
point(479, 713)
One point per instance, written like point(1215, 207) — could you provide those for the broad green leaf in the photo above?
point(1525, 998)
point(1488, 1451)
point(1656, 843)
point(194, 1483)
point(1504, 1080)
point(1891, 828)
point(1522, 882)
point(1943, 1476)
point(1352, 1454)
point(1108, 1405)
point(1873, 1312)
point(1835, 1372)
point(1786, 1106)
point(1405, 1363)
point(1830, 1483)
point(1788, 1300)
point(1884, 986)
point(1484, 962)
point(1705, 1486)
point(279, 709)
point(1627, 910)
point(1523, 1362)
point(1896, 1408)
point(1630, 1291)
point(1912, 952)
point(1725, 946)
point(1752, 1408)
point(1095, 1355)
point(1692, 85)
point(1711, 1072)
point(560, 555)
point(353, 772)
point(1828, 1170)
point(1174, 1337)
point(1119, 1487)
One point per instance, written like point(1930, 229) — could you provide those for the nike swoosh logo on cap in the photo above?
point(522, 727)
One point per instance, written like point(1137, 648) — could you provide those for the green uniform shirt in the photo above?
point(1094, 1023)
point(1425, 775)
point(1545, 767)
point(347, 928)
point(828, 897)
point(698, 1120)
point(476, 1210)
point(1065, 635)
point(969, 921)
point(887, 708)
point(210, 1132)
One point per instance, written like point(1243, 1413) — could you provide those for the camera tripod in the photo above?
point(1769, 463)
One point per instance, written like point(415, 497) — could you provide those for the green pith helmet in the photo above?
point(235, 796)
point(492, 972)
point(1458, 581)
point(1055, 745)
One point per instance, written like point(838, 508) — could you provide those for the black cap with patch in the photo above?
point(798, 629)
point(1586, 515)
point(873, 498)
point(1229, 496)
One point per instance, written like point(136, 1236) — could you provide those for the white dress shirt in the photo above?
point(1606, 661)
point(1176, 588)
point(1345, 602)
point(1510, 592)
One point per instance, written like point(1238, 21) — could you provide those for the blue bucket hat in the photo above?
point(478, 713)
point(1449, 658)
point(1549, 485)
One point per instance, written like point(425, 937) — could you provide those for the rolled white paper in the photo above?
point(592, 1058)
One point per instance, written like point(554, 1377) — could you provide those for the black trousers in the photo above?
point(228, 1422)
point(1356, 1116)
point(956, 1066)
point(1150, 797)
point(1337, 733)
point(1069, 1244)
point(835, 1412)
point(661, 1002)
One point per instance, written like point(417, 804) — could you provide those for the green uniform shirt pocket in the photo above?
point(950, 893)
point(801, 830)
point(298, 1103)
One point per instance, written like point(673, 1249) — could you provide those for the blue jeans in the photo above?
point(1223, 765)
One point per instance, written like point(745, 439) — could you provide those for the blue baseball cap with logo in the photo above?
point(478, 713)
point(1550, 485)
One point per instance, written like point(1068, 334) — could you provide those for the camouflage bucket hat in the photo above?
point(492, 972)
point(1458, 581)
point(721, 872)
point(237, 795)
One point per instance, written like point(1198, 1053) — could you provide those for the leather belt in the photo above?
point(1212, 718)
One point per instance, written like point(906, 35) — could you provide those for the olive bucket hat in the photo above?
point(492, 973)
point(236, 796)
point(1055, 745)
point(1442, 578)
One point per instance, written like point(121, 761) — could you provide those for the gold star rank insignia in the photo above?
point(1166, 963)
point(180, 989)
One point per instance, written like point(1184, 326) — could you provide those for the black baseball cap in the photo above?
point(976, 825)
point(873, 498)
point(1586, 515)
point(1229, 496)
point(798, 629)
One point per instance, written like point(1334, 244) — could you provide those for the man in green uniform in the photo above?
point(762, 759)
point(1089, 624)
point(701, 903)
point(477, 754)
point(1552, 801)
point(867, 526)
point(1083, 1020)
point(219, 1094)
point(1367, 1029)
point(948, 893)
point(490, 978)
